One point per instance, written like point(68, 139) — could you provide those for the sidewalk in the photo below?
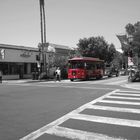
point(29, 81)
point(133, 85)
point(25, 81)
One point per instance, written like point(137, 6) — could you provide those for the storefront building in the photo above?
point(18, 62)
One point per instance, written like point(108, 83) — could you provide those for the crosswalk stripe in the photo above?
point(78, 134)
point(107, 120)
point(119, 97)
point(127, 94)
point(128, 91)
point(118, 109)
point(119, 102)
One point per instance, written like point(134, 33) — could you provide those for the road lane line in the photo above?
point(120, 102)
point(78, 134)
point(107, 120)
point(118, 109)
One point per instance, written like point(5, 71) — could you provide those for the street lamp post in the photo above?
point(43, 35)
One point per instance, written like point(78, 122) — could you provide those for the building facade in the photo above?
point(18, 62)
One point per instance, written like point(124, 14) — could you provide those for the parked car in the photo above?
point(123, 72)
point(134, 74)
point(111, 70)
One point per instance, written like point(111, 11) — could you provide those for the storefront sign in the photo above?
point(26, 53)
point(2, 53)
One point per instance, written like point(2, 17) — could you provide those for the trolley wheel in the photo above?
point(71, 79)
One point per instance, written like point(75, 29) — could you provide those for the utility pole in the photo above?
point(43, 35)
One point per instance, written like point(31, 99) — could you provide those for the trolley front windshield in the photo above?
point(76, 65)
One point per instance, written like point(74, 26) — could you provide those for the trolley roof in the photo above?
point(86, 59)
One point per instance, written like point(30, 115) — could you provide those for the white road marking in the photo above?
point(128, 91)
point(107, 120)
point(127, 94)
point(120, 97)
point(120, 102)
point(78, 134)
point(115, 109)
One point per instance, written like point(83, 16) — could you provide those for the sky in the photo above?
point(67, 21)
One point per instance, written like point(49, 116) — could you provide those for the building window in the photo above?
point(13, 68)
point(4, 68)
point(33, 67)
point(25, 68)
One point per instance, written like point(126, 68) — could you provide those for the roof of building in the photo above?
point(17, 47)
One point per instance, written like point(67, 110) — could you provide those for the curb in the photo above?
point(28, 81)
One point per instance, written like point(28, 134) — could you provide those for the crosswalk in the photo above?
point(119, 108)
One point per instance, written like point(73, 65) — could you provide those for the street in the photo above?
point(94, 109)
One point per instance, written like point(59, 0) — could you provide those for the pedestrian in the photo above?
point(0, 76)
point(58, 74)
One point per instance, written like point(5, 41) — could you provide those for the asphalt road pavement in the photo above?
point(102, 109)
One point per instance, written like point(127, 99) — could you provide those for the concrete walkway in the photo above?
point(24, 81)
point(30, 81)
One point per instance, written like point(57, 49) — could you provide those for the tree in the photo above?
point(131, 42)
point(133, 32)
point(136, 42)
point(96, 47)
point(130, 29)
point(118, 59)
point(111, 52)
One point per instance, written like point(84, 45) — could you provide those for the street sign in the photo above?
point(130, 61)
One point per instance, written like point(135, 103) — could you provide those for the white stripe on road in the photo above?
point(129, 91)
point(78, 134)
point(118, 109)
point(107, 120)
point(120, 102)
point(127, 94)
point(120, 97)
